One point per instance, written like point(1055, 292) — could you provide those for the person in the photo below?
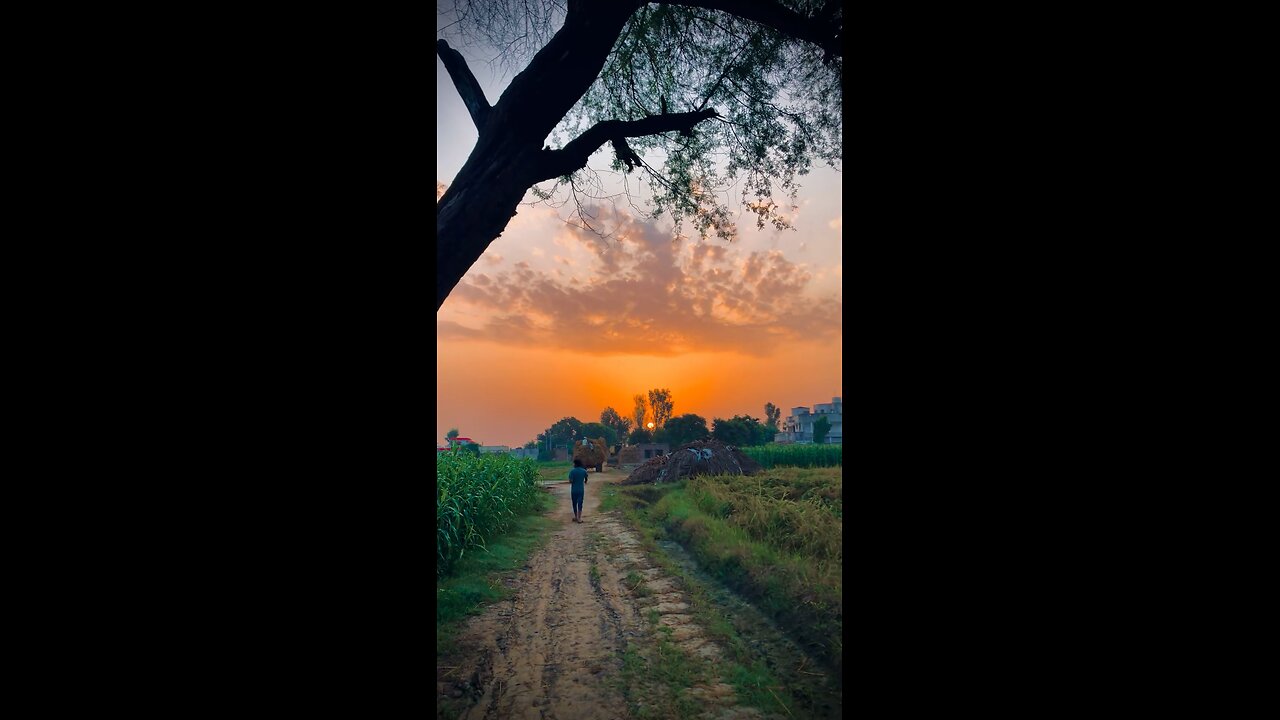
point(577, 488)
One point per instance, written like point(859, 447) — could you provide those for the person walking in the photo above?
point(577, 488)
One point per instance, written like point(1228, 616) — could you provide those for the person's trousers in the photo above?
point(576, 496)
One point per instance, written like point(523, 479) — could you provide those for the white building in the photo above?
point(798, 426)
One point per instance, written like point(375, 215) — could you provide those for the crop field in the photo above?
point(809, 456)
point(774, 537)
point(476, 499)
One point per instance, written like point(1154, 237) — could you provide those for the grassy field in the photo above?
point(774, 537)
point(554, 471)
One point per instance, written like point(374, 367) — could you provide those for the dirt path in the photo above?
point(553, 650)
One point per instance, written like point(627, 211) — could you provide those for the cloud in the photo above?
point(647, 293)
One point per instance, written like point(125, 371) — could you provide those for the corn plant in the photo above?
point(476, 498)
point(771, 456)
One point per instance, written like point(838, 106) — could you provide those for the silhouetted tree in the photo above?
point(740, 430)
point(661, 405)
point(760, 80)
point(562, 433)
point(598, 430)
point(610, 418)
point(639, 411)
point(772, 416)
point(686, 428)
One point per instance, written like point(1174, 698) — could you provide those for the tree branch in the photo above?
point(820, 30)
point(465, 82)
point(556, 163)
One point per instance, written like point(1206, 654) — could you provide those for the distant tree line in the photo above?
point(675, 430)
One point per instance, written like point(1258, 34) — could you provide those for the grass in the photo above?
point(476, 579)
point(774, 537)
point(656, 677)
point(745, 666)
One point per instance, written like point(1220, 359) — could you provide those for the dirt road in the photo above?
point(553, 650)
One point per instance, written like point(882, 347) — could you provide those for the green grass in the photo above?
point(810, 456)
point(744, 667)
point(774, 537)
point(656, 677)
point(476, 580)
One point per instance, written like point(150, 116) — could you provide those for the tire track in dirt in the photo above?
point(552, 650)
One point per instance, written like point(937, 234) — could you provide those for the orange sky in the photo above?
point(553, 322)
point(501, 397)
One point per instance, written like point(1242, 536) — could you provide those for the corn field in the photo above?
point(809, 456)
point(476, 498)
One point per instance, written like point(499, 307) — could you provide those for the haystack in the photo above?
point(708, 457)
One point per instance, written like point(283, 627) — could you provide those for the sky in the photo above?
point(555, 322)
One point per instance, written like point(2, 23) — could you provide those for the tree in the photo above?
point(531, 445)
point(772, 415)
point(639, 412)
point(685, 429)
point(755, 85)
point(562, 433)
point(740, 430)
point(610, 418)
point(597, 430)
point(451, 435)
point(639, 435)
point(662, 436)
point(820, 429)
point(731, 432)
point(661, 405)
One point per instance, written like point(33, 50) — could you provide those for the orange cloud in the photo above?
point(648, 294)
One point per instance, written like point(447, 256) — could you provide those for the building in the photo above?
point(494, 449)
point(636, 454)
point(798, 426)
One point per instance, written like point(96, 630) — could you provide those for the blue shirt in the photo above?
point(578, 478)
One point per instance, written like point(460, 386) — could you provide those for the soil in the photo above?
point(553, 650)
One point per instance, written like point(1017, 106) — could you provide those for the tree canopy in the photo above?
point(740, 430)
point(661, 405)
point(701, 100)
point(639, 411)
point(686, 428)
point(563, 432)
point(610, 418)
point(821, 427)
point(599, 430)
point(772, 415)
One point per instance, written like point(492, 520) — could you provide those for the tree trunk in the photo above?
point(507, 159)
point(475, 210)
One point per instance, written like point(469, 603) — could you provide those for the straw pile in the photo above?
point(708, 457)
